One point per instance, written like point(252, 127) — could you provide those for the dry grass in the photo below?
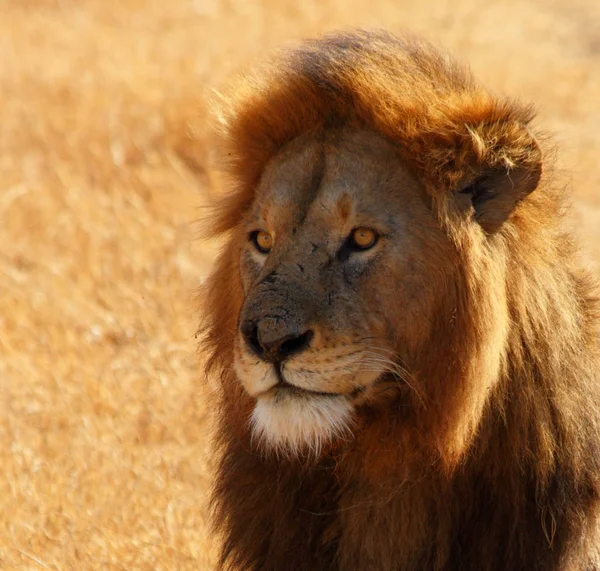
point(103, 431)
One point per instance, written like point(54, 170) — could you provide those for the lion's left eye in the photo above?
point(363, 238)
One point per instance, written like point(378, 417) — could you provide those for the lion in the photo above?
point(405, 339)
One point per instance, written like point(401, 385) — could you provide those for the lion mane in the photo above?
point(501, 469)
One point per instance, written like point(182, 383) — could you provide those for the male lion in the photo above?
point(406, 341)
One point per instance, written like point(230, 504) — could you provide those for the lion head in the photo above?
point(363, 238)
point(344, 268)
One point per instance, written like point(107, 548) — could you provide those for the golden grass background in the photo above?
point(104, 163)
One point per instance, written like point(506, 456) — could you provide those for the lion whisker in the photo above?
point(397, 372)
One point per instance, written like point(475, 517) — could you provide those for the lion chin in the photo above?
point(295, 423)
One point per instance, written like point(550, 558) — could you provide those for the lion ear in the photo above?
point(504, 166)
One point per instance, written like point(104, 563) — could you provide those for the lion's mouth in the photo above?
point(293, 389)
point(284, 387)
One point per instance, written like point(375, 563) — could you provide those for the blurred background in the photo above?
point(104, 165)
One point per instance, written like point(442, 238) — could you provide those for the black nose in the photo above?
point(274, 344)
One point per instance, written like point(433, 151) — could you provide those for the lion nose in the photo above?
point(272, 342)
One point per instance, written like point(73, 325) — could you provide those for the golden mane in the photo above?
point(509, 476)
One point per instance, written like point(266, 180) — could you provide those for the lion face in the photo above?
point(337, 295)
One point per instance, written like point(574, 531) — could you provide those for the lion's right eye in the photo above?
point(363, 238)
point(262, 240)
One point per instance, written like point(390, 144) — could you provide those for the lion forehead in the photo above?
point(339, 178)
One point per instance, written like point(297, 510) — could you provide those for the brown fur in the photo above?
point(498, 468)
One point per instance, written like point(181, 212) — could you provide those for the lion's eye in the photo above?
point(363, 238)
point(262, 240)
